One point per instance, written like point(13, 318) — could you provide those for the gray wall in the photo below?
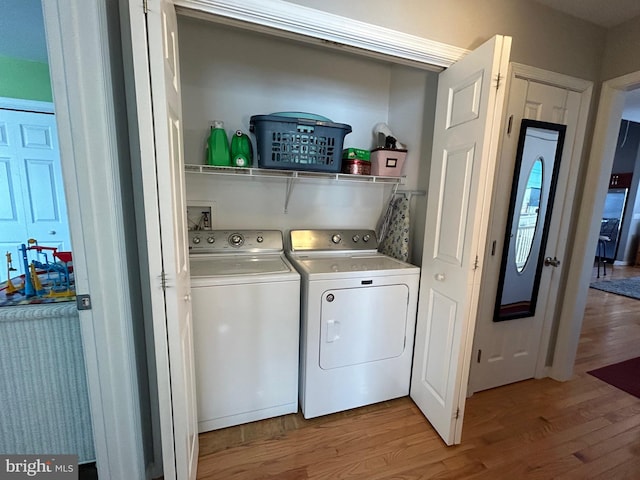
point(542, 37)
point(621, 50)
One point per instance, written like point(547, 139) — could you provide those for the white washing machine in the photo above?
point(246, 316)
point(357, 320)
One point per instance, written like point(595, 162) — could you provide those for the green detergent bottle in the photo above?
point(218, 146)
point(240, 150)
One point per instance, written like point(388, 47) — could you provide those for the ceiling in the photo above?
point(606, 13)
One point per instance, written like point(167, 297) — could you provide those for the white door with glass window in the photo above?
point(32, 200)
point(514, 350)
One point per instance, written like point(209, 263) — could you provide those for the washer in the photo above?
point(357, 320)
point(246, 315)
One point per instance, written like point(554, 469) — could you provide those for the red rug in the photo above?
point(624, 375)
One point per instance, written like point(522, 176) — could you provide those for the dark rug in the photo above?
point(624, 375)
point(628, 287)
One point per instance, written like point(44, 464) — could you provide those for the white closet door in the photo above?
point(163, 244)
point(167, 109)
point(32, 200)
point(468, 113)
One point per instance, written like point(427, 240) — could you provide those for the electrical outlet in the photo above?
point(200, 216)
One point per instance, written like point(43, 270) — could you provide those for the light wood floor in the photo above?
point(536, 429)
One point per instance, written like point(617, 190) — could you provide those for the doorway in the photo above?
point(619, 230)
point(610, 108)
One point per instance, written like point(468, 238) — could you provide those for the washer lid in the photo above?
point(347, 263)
point(210, 265)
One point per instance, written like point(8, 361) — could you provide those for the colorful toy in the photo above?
point(58, 281)
point(11, 289)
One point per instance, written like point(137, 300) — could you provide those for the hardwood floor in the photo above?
point(536, 429)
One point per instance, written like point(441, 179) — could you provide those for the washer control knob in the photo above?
point(211, 240)
point(366, 238)
point(336, 238)
point(236, 240)
point(355, 238)
point(196, 240)
point(260, 239)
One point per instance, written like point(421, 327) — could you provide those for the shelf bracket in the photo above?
point(290, 184)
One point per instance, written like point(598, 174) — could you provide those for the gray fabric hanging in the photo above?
point(393, 229)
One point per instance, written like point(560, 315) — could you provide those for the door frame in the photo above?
point(36, 106)
point(81, 79)
point(603, 145)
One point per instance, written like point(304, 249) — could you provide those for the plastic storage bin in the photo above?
point(298, 143)
point(386, 162)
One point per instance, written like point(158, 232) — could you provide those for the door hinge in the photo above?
point(457, 413)
point(145, 6)
point(510, 125)
point(498, 81)
point(479, 354)
point(476, 264)
point(163, 281)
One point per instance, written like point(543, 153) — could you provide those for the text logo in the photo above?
point(50, 467)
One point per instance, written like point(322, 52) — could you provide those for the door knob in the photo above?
point(187, 297)
point(554, 262)
point(52, 232)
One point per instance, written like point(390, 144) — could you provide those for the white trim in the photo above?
point(308, 24)
point(28, 105)
point(591, 204)
point(550, 78)
point(76, 34)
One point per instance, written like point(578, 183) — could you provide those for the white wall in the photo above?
point(240, 74)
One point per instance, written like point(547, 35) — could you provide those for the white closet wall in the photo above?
point(231, 74)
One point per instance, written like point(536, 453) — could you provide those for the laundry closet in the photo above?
point(229, 70)
point(230, 74)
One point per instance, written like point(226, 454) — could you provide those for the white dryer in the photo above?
point(246, 315)
point(357, 320)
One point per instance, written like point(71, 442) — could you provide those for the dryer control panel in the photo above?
point(332, 240)
point(234, 241)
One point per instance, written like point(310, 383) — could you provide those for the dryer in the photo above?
point(246, 313)
point(358, 312)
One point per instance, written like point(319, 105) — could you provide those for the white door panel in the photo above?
point(10, 204)
point(510, 351)
point(457, 168)
point(439, 345)
point(468, 108)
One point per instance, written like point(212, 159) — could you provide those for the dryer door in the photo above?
point(364, 324)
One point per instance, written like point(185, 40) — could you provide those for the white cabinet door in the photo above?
point(32, 200)
point(468, 113)
point(158, 111)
